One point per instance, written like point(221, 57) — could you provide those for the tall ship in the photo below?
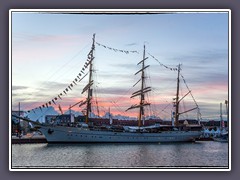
point(88, 133)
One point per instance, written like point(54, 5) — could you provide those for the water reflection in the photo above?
point(121, 155)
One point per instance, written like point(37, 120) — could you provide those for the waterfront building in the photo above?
point(61, 119)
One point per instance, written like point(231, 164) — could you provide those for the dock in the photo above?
point(29, 139)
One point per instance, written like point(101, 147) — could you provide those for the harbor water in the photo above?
point(200, 154)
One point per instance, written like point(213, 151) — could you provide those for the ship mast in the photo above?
point(141, 92)
point(90, 81)
point(177, 100)
point(176, 123)
point(141, 109)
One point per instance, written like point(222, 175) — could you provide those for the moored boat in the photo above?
point(85, 133)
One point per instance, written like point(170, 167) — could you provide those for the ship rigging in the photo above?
point(83, 133)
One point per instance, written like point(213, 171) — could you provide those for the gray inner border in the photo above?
point(214, 4)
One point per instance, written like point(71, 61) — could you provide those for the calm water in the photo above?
point(199, 154)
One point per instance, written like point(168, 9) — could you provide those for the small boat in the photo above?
point(222, 138)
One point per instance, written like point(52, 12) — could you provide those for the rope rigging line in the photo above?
point(189, 90)
point(115, 101)
point(192, 97)
point(68, 88)
point(64, 65)
point(96, 101)
point(153, 107)
point(163, 110)
point(167, 67)
point(52, 75)
point(118, 108)
point(183, 108)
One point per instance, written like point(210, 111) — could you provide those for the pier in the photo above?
point(28, 139)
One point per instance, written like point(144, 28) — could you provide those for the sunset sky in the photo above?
point(50, 49)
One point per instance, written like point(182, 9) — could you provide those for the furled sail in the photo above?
point(87, 86)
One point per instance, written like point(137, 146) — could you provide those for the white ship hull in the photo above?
point(61, 134)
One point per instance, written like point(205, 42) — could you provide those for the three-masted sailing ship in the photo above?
point(141, 134)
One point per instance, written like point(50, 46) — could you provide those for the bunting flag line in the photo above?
point(71, 85)
point(59, 97)
point(116, 50)
point(53, 102)
point(172, 69)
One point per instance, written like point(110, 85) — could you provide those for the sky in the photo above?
point(50, 49)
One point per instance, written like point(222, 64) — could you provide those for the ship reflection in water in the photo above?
point(196, 155)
